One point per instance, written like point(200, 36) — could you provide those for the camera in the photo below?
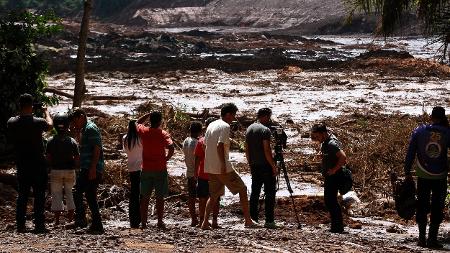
point(280, 140)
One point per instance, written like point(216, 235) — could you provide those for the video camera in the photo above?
point(280, 141)
point(280, 137)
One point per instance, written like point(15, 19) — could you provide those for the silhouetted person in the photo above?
point(25, 134)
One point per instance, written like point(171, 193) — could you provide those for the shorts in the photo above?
point(202, 188)
point(158, 180)
point(231, 180)
point(192, 187)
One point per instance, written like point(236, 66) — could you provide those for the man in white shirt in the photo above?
point(218, 166)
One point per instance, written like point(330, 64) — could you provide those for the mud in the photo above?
point(357, 86)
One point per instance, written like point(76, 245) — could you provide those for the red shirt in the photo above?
point(200, 154)
point(154, 143)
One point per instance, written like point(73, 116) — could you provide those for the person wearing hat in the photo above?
point(262, 166)
point(91, 171)
point(24, 132)
point(429, 144)
point(62, 156)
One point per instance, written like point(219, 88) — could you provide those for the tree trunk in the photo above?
point(80, 87)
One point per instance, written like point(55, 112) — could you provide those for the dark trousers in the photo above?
point(436, 190)
point(37, 180)
point(260, 177)
point(87, 188)
point(331, 189)
point(134, 203)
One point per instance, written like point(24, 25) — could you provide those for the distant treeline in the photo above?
point(102, 8)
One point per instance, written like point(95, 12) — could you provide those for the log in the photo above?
point(58, 92)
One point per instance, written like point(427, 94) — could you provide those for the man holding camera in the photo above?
point(262, 166)
point(25, 134)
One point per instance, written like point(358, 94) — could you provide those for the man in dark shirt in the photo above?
point(262, 166)
point(25, 134)
point(333, 161)
point(430, 144)
point(91, 171)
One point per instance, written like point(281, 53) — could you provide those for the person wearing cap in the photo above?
point(429, 145)
point(203, 178)
point(91, 171)
point(262, 166)
point(62, 156)
point(218, 165)
point(24, 132)
point(333, 161)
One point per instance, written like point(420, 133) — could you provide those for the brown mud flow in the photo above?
point(372, 95)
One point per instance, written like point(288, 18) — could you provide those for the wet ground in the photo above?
point(303, 79)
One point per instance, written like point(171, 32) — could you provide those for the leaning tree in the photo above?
point(435, 15)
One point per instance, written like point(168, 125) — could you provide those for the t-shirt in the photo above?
point(255, 135)
point(217, 132)
point(189, 157)
point(430, 143)
point(90, 137)
point(154, 143)
point(62, 150)
point(25, 134)
point(134, 155)
point(200, 154)
point(330, 147)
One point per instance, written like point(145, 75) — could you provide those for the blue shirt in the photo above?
point(429, 143)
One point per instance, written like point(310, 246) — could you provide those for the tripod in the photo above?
point(279, 158)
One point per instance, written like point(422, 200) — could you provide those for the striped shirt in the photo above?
point(90, 137)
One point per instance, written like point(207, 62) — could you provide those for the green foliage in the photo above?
point(23, 70)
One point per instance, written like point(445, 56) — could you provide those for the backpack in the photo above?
point(404, 197)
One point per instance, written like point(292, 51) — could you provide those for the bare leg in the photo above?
point(57, 215)
point(70, 215)
point(201, 209)
point(215, 212)
point(209, 206)
point(144, 211)
point(191, 205)
point(160, 211)
point(245, 208)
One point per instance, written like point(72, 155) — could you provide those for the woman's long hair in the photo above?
point(132, 135)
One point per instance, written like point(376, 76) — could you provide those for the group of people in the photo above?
point(209, 170)
point(63, 156)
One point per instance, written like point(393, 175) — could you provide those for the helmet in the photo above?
point(61, 122)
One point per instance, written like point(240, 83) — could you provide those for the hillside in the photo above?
point(305, 16)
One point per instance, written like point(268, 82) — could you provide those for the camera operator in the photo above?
point(333, 161)
point(262, 166)
point(25, 134)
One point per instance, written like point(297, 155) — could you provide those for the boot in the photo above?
point(432, 241)
point(422, 234)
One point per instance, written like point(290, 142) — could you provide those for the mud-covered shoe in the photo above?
point(271, 225)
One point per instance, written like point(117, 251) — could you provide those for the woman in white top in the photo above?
point(133, 148)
